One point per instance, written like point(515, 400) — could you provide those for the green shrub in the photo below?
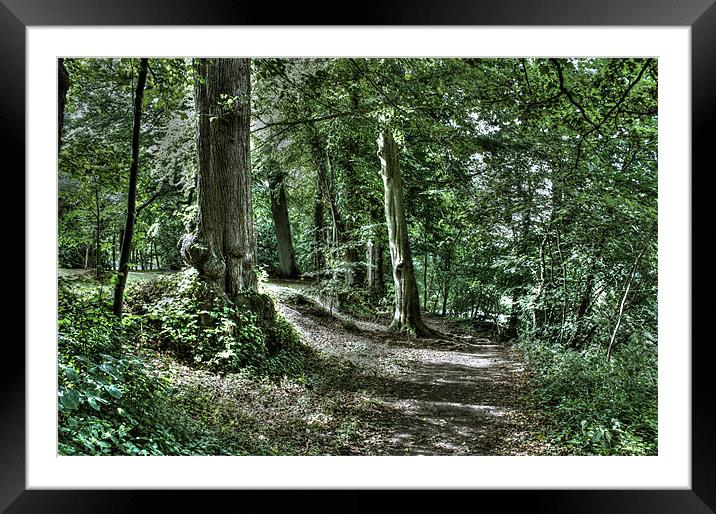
point(597, 406)
point(183, 315)
point(108, 404)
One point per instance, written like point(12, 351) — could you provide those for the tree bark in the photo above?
point(406, 314)
point(446, 295)
point(355, 272)
point(575, 342)
point(98, 235)
point(119, 252)
point(319, 235)
point(63, 85)
point(222, 246)
point(282, 225)
point(425, 281)
point(376, 284)
point(622, 303)
point(132, 194)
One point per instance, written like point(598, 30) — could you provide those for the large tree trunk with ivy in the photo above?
point(125, 252)
point(63, 85)
point(282, 226)
point(406, 314)
point(222, 246)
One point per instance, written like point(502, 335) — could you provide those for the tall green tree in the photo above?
point(132, 192)
point(221, 245)
point(406, 312)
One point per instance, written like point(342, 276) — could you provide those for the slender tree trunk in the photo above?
point(319, 236)
point(375, 271)
point(98, 234)
point(132, 194)
point(121, 238)
point(156, 253)
point(282, 226)
point(222, 247)
point(355, 274)
point(446, 294)
point(447, 277)
point(622, 303)
point(406, 315)
point(63, 83)
point(156, 256)
point(114, 255)
point(585, 301)
point(514, 318)
point(425, 281)
point(376, 284)
point(538, 310)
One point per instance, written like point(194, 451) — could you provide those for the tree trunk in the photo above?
point(98, 235)
point(355, 273)
point(514, 315)
point(406, 315)
point(620, 314)
point(575, 342)
point(279, 213)
point(376, 284)
point(425, 282)
point(446, 294)
point(222, 246)
point(132, 194)
point(156, 254)
point(319, 236)
point(63, 85)
point(121, 238)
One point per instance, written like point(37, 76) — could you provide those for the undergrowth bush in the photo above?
point(356, 301)
point(597, 406)
point(108, 403)
point(181, 314)
point(113, 401)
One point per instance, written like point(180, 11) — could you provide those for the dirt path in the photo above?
point(463, 396)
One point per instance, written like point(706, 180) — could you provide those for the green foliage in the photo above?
point(530, 191)
point(355, 301)
point(108, 401)
point(594, 406)
point(111, 401)
point(183, 315)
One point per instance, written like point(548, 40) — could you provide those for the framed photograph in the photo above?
point(672, 46)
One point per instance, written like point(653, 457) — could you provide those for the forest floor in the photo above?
point(462, 395)
point(369, 392)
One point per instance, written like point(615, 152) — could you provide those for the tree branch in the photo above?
point(150, 200)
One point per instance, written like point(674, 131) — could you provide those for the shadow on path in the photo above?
point(462, 396)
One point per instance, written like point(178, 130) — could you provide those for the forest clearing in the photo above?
point(357, 256)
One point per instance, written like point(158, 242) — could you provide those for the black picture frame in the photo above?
point(699, 15)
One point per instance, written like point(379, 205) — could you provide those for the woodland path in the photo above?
point(459, 396)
